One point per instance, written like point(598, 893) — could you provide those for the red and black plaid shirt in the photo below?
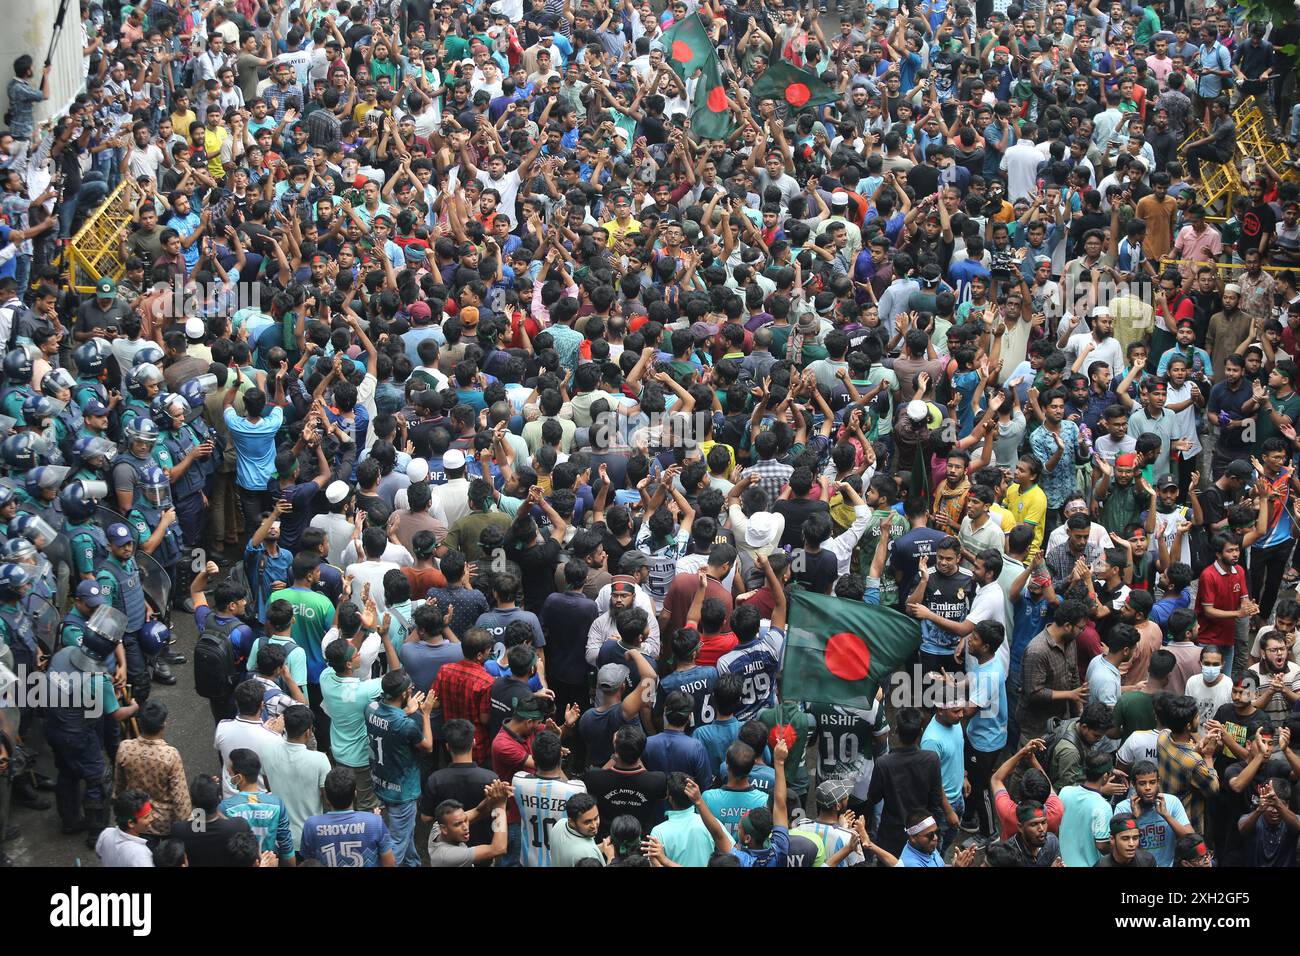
point(464, 693)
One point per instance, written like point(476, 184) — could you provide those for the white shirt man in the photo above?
point(1021, 163)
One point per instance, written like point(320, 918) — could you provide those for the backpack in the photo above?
point(215, 666)
point(1058, 729)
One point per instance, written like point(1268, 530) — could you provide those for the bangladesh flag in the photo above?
point(710, 117)
point(688, 46)
point(840, 651)
point(788, 84)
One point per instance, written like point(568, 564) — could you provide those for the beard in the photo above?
point(1102, 334)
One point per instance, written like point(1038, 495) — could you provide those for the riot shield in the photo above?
point(157, 584)
point(45, 620)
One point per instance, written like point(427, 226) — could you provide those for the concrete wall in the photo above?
point(26, 27)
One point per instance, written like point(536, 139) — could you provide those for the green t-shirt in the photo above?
point(394, 763)
point(1135, 711)
point(346, 699)
point(313, 615)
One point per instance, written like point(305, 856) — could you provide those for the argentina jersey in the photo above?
point(757, 664)
point(541, 804)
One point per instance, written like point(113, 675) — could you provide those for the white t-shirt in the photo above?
point(1209, 699)
point(541, 807)
point(508, 187)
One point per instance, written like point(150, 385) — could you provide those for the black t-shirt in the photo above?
point(463, 782)
point(1240, 728)
point(91, 317)
point(505, 691)
point(537, 566)
point(924, 180)
point(1258, 221)
point(638, 792)
point(950, 596)
point(820, 570)
point(209, 844)
point(796, 511)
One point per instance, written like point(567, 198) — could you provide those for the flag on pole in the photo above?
point(687, 46)
point(840, 651)
point(797, 88)
point(710, 116)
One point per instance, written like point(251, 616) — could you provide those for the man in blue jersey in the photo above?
point(764, 839)
point(345, 836)
point(757, 658)
point(691, 678)
point(397, 726)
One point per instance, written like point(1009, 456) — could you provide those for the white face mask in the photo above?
point(1210, 673)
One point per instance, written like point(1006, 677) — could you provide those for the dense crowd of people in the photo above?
point(484, 384)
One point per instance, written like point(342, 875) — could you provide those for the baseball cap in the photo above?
point(195, 329)
point(105, 287)
point(631, 561)
point(453, 458)
point(90, 593)
point(611, 677)
point(95, 407)
point(1166, 481)
point(118, 533)
point(336, 492)
point(831, 792)
point(529, 708)
point(469, 316)
point(419, 310)
point(703, 330)
point(1240, 469)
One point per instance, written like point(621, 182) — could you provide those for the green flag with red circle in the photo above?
point(711, 117)
point(840, 651)
point(786, 83)
point(687, 46)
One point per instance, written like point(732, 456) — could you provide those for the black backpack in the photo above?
point(215, 664)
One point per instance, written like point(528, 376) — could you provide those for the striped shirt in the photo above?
point(541, 804)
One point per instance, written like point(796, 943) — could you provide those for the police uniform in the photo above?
point(124, 589)
point(11, 401)
point(132, 410)
point(188, 489)
point(89, 546)
point(136, 464)
point(71, 727)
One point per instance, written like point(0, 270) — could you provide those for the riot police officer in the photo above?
point(91, 458)
point(154, 519)
point(119, 577)
point(39, 494)
point(18, 383)
point(23, 451)
point(143, 382)
point(80, 500)
point(57, 385)
point(88, 597)
point(141, 437)
point(191, 456)
point(91, 359)
point(8, 508)
point(41, 417)
point(82, 693)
